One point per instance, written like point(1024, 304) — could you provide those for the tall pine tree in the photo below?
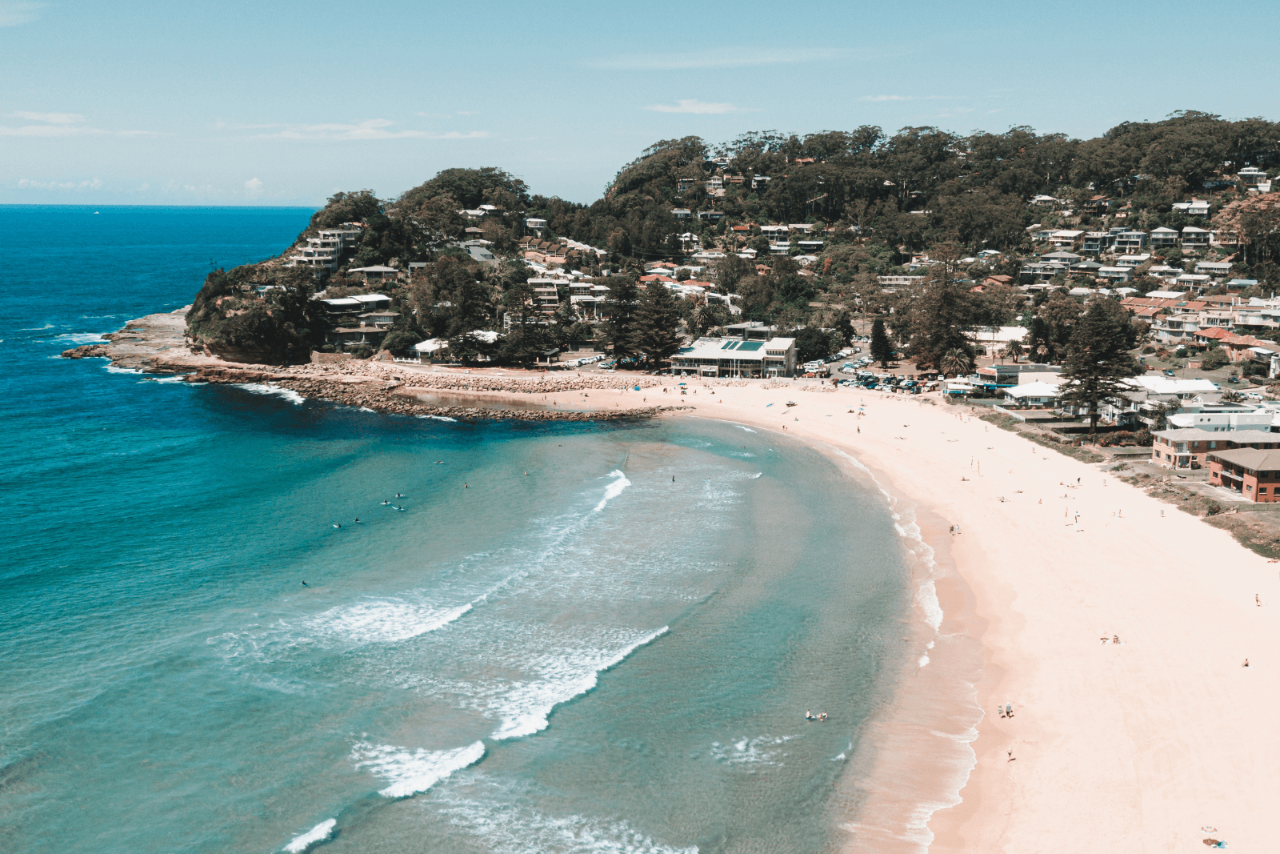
point(881, 349)
point(657, 329)
point(1098, 360)
point(623, 307)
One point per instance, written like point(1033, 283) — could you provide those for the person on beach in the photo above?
point(1246, 663)
point(1010, 759)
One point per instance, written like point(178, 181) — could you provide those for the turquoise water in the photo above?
point(571, 638)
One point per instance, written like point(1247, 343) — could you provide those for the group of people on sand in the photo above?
point(1114, 639)
point(810, 716)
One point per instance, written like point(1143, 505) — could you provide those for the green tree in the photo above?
point(1098, 360)
point(957, 361)
point(812, 343)
point(656, 334)
point(881, 349)
point(938, 317)
point(622, 305)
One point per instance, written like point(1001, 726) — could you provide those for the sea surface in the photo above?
point(536, 637)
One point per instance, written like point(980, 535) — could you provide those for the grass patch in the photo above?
point(1013, 425)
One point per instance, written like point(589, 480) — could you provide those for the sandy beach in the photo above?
point(1134, 746)
point(1040, 562)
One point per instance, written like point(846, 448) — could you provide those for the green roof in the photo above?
point(751, 345)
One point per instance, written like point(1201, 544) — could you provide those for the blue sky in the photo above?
point(287, 102)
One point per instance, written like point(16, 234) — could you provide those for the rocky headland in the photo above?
point(158, 344)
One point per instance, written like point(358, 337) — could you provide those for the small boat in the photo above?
point(791, 403)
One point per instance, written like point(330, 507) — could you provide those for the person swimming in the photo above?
point(304, 584)
point(336, 525)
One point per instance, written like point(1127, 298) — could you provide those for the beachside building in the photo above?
point(1021, 374)
point(733, 357)
point(1191, 447)
point(1032, 394)
point(1254, 473)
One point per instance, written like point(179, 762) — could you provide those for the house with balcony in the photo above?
point(1252, 472)
point(1195, 239)
point(1095, 242)
point(1175, 328)
point(1192, 447)
point(1251, 175)
point(1132, 260)
point(1130, 242)
point(1163, 236)
point(1216, 269)
point(1115, 274)
point(1066, 239)
point(1193, 208)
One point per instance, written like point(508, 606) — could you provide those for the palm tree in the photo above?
point(1015, 351)
point(955, 361)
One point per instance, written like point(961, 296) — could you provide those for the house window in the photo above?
point(1248, 487)
point(1262, 490)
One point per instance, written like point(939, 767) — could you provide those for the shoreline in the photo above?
point(1140, 744)
point(156, 344)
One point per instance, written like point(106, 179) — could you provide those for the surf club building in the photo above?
point(734, 357)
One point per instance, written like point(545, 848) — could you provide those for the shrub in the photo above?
point(1214, 359)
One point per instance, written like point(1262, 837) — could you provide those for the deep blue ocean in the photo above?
point(605, 643)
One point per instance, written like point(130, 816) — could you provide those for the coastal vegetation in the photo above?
point(953, 217)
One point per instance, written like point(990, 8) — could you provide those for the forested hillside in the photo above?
point(868, 202)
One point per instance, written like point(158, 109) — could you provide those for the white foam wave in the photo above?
point(757, 475)
point(112, 369)
point(263, 388)
point(319, 833)
point(178, 379)
point(81, 338)
point(440, 418)
point(525, 708)
point(384, 622)
point(503, 826)
point(414, 771)
point(614, 489)
point(762, 750)
point(748, 429)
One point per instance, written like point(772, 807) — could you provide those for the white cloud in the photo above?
point(253, 188)
point(28, 184)
point(716, 58)
point(17, 14)
point(701, 108)
point(49, 118)
point(61, 124)
point(370, 129)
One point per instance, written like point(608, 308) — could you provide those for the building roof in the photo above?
point(1035, 389)
point(1199, 434)
point(1252, 459)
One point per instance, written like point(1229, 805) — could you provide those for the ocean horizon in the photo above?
point(238, 620)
